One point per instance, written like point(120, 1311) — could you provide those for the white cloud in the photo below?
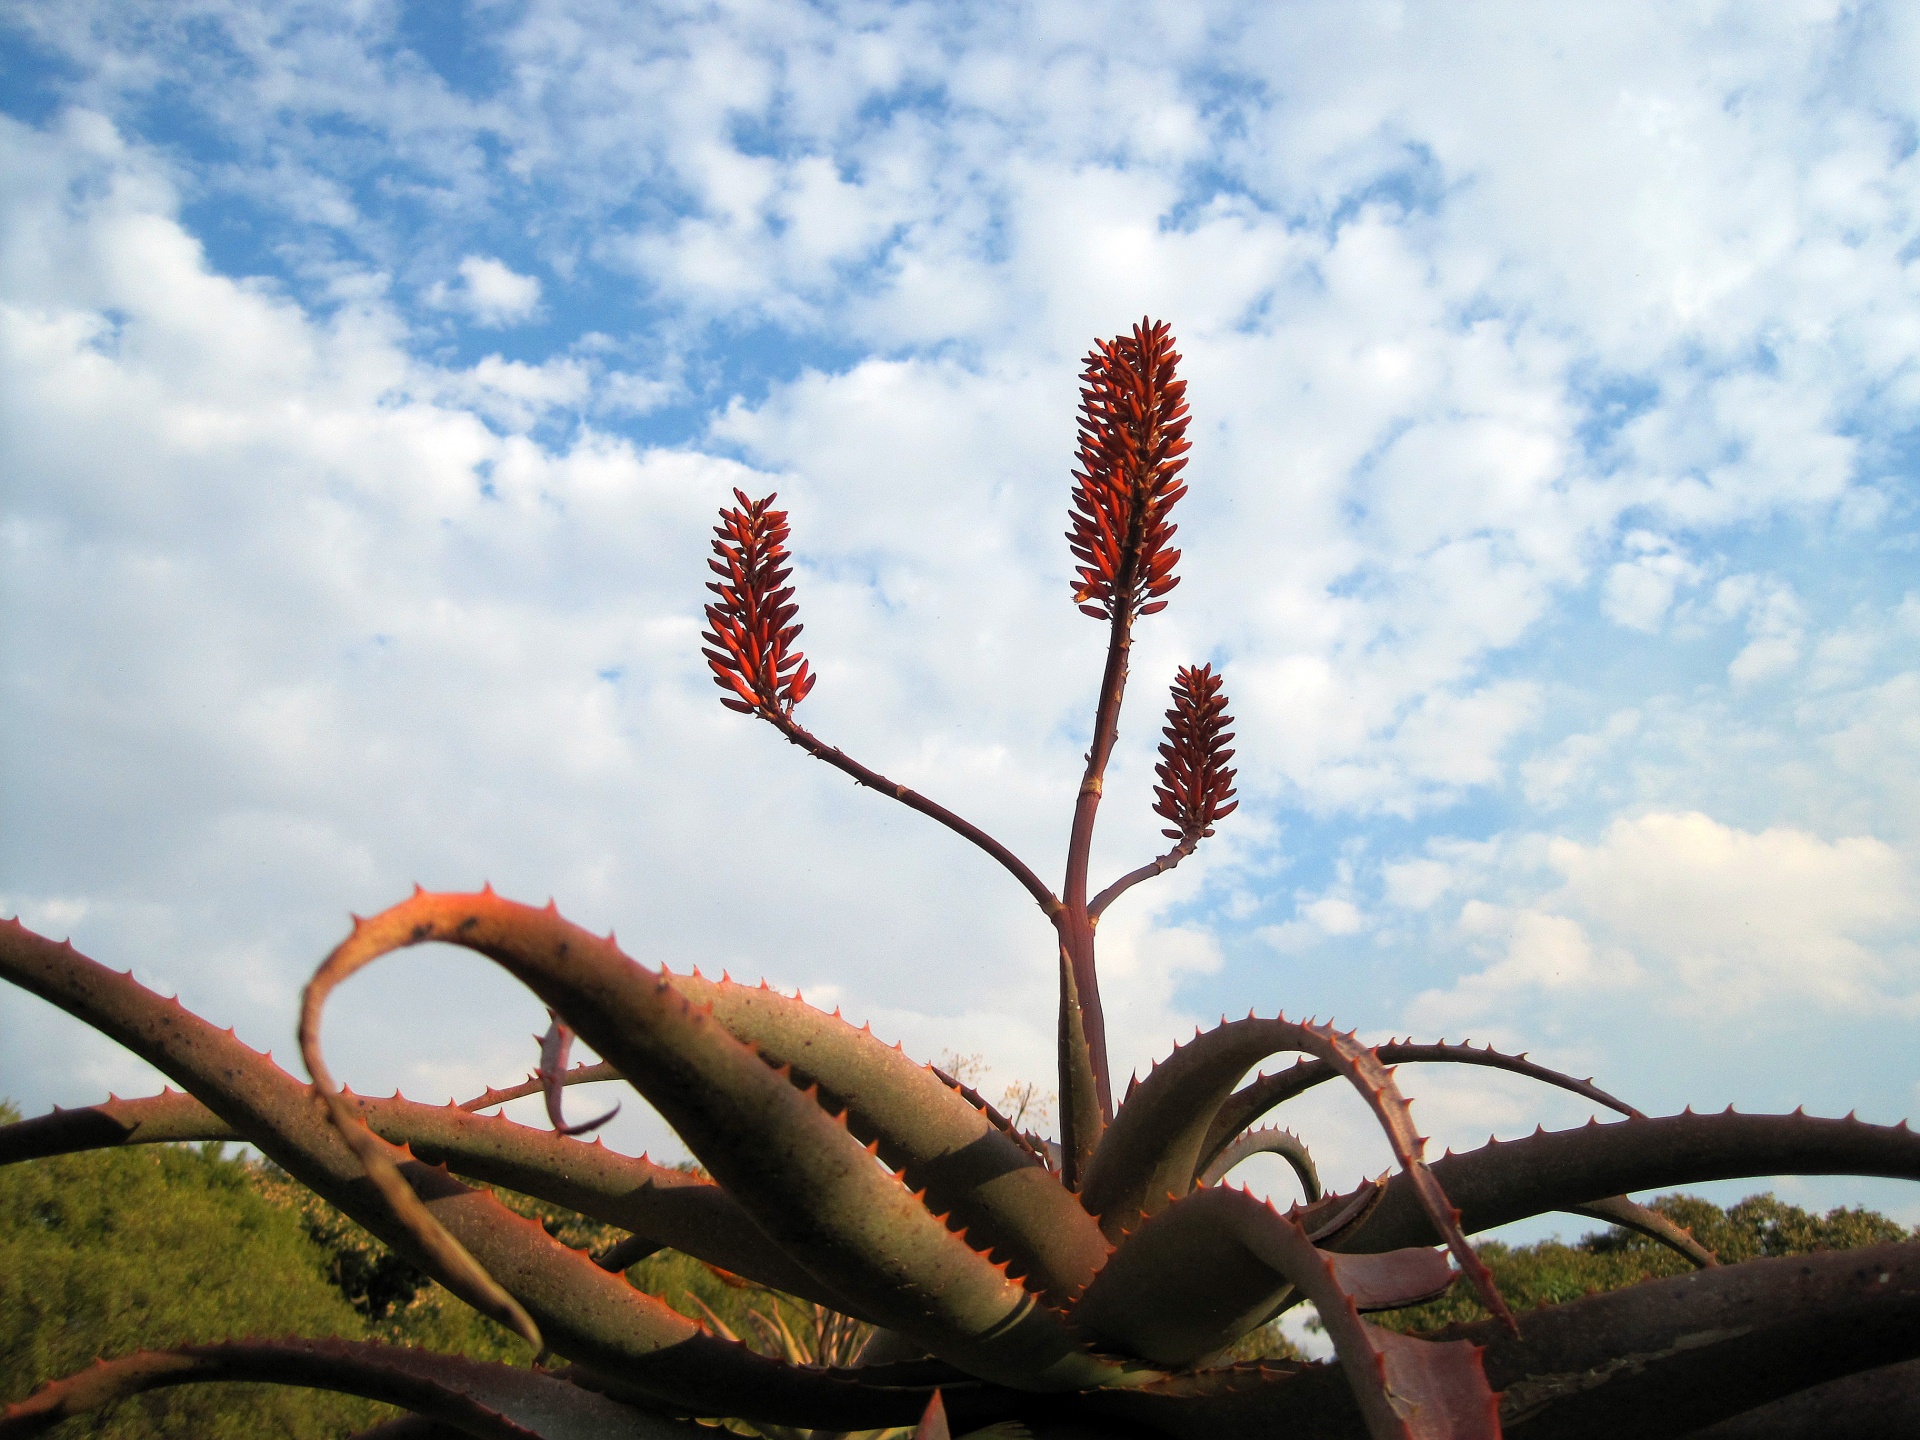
point(1680, 906)
point(489, 293)
point(1464, 298)
point(517, 395)
point(1639, 591)
point(1416, 884)
point(1774, 620)
point(1550, 778)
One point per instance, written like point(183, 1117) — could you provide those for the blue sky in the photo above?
point(372, 374)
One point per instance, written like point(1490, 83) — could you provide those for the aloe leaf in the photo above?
point(1855, 1405)
point(1217, 1262)
point(1619, 1210)
point(535, 1085)
point(1255, 1099)
point(495, 1402)
point(670, 1207)
point(555, 1046)
point(810, 1185)
point(1267, 1140)
point(1045, 1153)
point(1509, 1180)
point(152, 1120)
point(584, 1312)
point(1150, 1154)
point(1082, 1113)
point(1215, 1265)
point(971, 1167)
point(1706, 1345)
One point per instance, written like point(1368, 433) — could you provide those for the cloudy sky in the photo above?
point(371, 375)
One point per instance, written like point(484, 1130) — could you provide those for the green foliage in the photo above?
point(1550, 1273)
point(111, 1252)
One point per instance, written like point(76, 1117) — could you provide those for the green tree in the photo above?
point(111, 1252)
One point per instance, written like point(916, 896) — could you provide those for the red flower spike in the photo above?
point(1133, 425)
point(751, 643)
point(1196, 787)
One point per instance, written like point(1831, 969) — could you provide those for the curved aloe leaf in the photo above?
point(1251, 1101)
point(807, 1182)
point(584, 1312)
point(156, 1119)
point(1045, 1153)
point(1558, 1169)
point(1267, 1140)
point(1705, 1345)
point(534, 1084)
point(1855, 1405)
point(1215, 1264)
point(1223, 1255)
point(494, 1402)
point(1150, 1153)
point(971, 1168)
point(668, 1206)
point(1619, 1210)
point(555, 1046)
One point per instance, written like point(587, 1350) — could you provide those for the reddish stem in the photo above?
point(799, 735)
point(1075, 923)
point(1126, 882)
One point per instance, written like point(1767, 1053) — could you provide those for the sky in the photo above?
point(371, 375)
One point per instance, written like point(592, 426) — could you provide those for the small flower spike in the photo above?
point(1133, 425)
point(753, 630)
point(1196, 787)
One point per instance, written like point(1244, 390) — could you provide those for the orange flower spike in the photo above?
point(1196, 787)
point(750, 647)
point(1133, 424)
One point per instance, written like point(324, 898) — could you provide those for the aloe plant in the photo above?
point(1088, 1284)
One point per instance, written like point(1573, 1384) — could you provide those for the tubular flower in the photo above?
point(1133, 425)
point(751, 641)
point(1196, 787)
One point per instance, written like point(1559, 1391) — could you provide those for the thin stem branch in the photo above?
point(799, 735)
point(1147, 871)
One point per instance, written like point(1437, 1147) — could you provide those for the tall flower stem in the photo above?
point(1083, 1117)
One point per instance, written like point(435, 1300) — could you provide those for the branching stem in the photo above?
point(1126, 882)
point(799, 735)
